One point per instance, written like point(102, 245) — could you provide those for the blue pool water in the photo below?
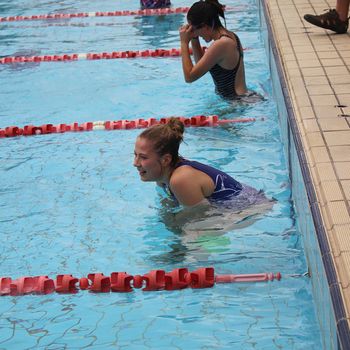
point(73, 203)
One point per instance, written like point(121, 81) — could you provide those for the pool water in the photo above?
point(73, 203)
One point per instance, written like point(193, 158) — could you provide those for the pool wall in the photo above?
point(329, 303)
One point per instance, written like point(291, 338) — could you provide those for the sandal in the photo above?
point(329, 20)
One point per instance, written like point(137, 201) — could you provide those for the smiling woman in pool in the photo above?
point(156, 157)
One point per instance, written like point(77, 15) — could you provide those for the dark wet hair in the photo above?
point(206, 12)
point(166, 138)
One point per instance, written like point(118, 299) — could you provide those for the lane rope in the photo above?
point(195, 121)
point(96, 56)
point(93, 56)
point(144, 12)
point(122, 282)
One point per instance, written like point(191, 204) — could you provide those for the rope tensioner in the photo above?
point(123, 282)
point(195, 121)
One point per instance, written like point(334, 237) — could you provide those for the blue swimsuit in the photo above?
point(226, 187)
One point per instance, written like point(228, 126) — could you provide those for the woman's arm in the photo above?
point(212, 56)
point(196, 49)
point(186, 188)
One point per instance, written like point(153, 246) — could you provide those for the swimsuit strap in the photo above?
point(239, 46)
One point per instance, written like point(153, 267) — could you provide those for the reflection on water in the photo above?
point(201, 231)
point(158, 29)
point(18, 66)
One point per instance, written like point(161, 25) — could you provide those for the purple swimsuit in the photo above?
point(226, 186)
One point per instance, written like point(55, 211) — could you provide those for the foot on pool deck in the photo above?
point(329, 20)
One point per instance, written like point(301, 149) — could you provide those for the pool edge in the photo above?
point(338, 304)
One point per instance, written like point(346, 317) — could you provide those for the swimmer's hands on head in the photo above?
point(186, 33)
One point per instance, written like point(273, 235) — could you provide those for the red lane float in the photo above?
point(195, 121)
point(122, 282)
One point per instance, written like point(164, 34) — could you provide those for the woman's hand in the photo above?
point(186, 33)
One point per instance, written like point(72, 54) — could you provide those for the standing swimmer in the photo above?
point(156, 157)
point(223, 59)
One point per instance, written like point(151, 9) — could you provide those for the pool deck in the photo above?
point(316, 65)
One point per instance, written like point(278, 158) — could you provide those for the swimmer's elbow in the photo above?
point(189, 80)
point(201, 203)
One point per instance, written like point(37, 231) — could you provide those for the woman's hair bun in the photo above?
point(176, 125)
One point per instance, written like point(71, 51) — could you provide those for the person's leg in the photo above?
point(342, 9)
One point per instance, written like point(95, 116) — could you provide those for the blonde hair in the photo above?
point(166, 138)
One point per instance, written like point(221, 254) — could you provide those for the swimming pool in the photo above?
point(72, 203)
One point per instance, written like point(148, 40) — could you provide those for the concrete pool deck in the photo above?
point(316, 66)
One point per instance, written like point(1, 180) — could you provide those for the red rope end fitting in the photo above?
point(257, 277)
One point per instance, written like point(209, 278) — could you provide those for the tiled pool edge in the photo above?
point(327, 294)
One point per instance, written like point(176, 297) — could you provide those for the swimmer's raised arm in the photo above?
point(213, 55)
point(188, 35)
point(196, 49)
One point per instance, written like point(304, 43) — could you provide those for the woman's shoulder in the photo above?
point(182, 174)
point(189, 174)
point(181, 171)
point(229, 37)
point(227, 40)
point(182, 180)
